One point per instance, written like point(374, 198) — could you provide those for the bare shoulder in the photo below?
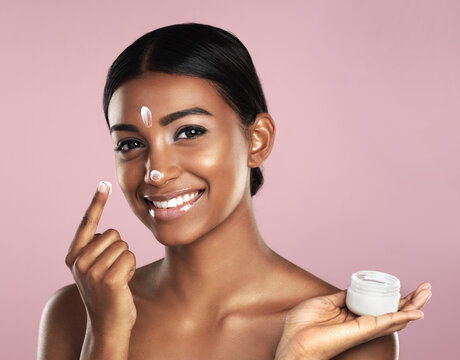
point(298, 283)
point(62, 325)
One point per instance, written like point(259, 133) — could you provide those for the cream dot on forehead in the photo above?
point(146, 116)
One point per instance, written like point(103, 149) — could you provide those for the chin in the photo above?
point(175, 239)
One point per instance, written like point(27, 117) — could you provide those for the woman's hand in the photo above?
point(102, 266)
point(322, 327)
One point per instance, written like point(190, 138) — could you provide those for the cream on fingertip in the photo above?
point(110, 187)
point(103, 185)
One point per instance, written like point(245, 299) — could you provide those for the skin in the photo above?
point(219, 292)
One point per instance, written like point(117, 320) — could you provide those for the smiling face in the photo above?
point(197, 144)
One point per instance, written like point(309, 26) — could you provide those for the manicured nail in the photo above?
point(102, 187)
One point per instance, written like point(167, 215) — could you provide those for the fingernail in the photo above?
point(427, 286)
point(102, 187)
point(429, 297)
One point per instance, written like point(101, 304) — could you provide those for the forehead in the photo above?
point(164, 94)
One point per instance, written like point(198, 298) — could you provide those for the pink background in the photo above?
point(365, 172)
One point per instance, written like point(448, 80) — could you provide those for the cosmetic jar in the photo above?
point(373, 293)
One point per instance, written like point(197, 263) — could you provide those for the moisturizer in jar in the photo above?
point(373, 293)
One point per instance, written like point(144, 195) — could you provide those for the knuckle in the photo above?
point(94, 274)
point(111, 281)
point(69, 260)
point(129, 255)
point(87, 220)
point(122, 244)
point(112, 232)
point(79, 266)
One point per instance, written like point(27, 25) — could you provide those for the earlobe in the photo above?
point(262, 136)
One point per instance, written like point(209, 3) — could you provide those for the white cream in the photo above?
point(155, 175)
point(108, 184)
point(373, 293)
point(146, 116)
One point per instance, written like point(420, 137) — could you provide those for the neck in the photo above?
point(213, 268)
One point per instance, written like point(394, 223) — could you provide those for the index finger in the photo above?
point(88, 224)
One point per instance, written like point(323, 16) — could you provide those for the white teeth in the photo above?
point(174, 202)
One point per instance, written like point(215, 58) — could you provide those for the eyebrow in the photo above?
point(165, 120)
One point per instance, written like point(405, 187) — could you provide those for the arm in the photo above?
point(64, 334)
point(62, 326)
point(105, 346)
point(102, 267)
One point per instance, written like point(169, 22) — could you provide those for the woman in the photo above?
point(190, 126)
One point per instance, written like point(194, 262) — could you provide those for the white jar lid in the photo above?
point(374, 282)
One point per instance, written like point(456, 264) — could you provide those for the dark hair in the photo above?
point(201, 51)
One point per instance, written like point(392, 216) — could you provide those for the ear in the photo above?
point(261, 136)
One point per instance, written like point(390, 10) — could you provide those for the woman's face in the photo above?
point(201, 150)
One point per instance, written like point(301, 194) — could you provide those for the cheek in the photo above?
point(128, 176)
point(223, 165)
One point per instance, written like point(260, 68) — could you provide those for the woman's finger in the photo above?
point(414, 294)
point(88, 224)
point(121, 270)
point(106, 259)
point(95, 248)
point(418, 301)
point(405, 300)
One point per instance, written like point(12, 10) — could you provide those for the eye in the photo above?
point(190, 132)
point(127, 145)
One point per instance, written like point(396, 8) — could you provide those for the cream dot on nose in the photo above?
point(155, 175)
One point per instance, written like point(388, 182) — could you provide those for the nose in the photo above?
point(161, 177)
point(159, 173)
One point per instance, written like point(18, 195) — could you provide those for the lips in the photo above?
point(174, 205)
